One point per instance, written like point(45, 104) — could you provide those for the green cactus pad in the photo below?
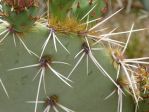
point(144, 105)
point(62, 63)
point(88, 91)
point(91, 7)
point(59, 9)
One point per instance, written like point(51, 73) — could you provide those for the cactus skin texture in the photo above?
point(54, 63)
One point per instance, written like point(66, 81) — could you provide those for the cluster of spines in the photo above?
point(128, 66)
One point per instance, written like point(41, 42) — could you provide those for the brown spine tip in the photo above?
point(45, 60)
point(90, 2)
point(106, 1)
point(34, 18)
point(78, 5)
point(85, 48)
point(104, 10)
point(20, 5)
point(52, 100)
point(93, 14)
point(3, 14)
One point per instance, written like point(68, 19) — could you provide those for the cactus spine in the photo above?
point(62, 61)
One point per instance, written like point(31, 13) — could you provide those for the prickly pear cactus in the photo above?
point(62, 62)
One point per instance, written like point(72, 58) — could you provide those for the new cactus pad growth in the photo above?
point(61, 61)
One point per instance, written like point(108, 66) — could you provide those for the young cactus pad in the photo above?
point(60, 63)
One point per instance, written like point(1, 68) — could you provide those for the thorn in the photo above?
point(38, 91)
point(1, 40)
point(14, 39)
point(61, 77)
point(128, 39)
point(107, 97)
point(102, 70)
point(4, 88)
point(130, 82)
point(88, 12)
point(100, 23)
point(28, 66)
point(76, 65)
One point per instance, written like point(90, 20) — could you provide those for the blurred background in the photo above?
point(134, 11)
